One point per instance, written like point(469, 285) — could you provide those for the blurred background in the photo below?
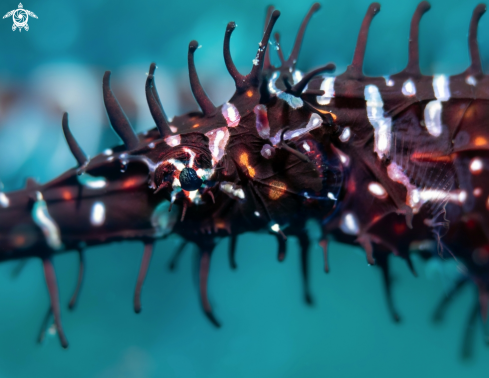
point(267, 330)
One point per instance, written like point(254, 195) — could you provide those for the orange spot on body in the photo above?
point(277, 190)
point(243, 160)
point(18, 240)
point(249, 93)
point(480, 141)
point(430, 157)
point(195, 126)
point(130, 183)
point(67, 195)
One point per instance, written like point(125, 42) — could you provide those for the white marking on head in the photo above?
point(441, 86)
point(382, 125)
point(349, 224)
point(345, 134)
point(476, 166)
point(97, 216)
point(231, 114)
point(432, 117)
point(4, 201)
point(408, 88)
point(173, 140)
point(328, 87)
point(377, 190)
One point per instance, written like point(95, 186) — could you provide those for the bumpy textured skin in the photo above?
point(395, 165)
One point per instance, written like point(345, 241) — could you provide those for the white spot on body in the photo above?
point(314, 122)
point(345, 134)
point(92, 182)
point(441, 86)
point(477, 192)
point(408, 88)
point(4, 201)
point(271, 83)
point(108, 152)
point(382, 125)
point(328, 87)
point(231, 189)
point(231, 114)
point(331, 196)
point(306, 147)
point(377, 190)
point(476, 166)
point(349, 224)
point(218, 139)
point(173, 140)
point(267, 151)
point(294, 102)
point(471, 80)
point(42, 218)
point(432, 117)
point(173, 129)
point(163, 220)
point(97, 216)
point(275, 227)
point(257, 214)
point(388, 81)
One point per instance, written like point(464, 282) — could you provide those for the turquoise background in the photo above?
point(267, 330)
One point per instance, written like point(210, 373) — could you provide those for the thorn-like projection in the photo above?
point(18, 268)
point(412, 67)
point(297, 89)
point(228, 60)
point(205, 260)
point(45, 325)
point(282, 247)
point(253, 78)
point(201, 97)
point(475, 59)
point(267, 65)
point(304, 243)
point(184, 211)
point(79, 282)
point(324, 245)
point(232, 251)
point(154, 104)
point(148, 252)
point(176, 256)
point(382, 260)
point(118, 119)
point(52, 285)
point(356, 68)
point(410, 265)
point(75, 148)
point(294, 55)
point(442, 306)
